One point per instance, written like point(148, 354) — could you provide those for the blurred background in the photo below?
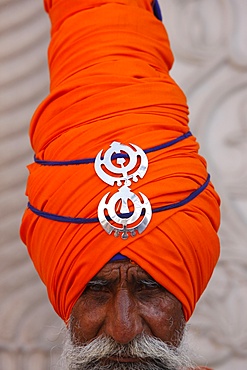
point(209, 39)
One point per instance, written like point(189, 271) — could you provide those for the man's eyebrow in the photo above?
point(148, 281)
point(98, 281)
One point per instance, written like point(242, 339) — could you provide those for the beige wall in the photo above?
point(209, 41)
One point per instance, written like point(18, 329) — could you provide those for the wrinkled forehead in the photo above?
point(124, 269)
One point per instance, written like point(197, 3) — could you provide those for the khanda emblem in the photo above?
point(123, 213)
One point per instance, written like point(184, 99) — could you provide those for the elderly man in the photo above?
point(122, 218)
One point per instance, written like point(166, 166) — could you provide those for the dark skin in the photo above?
point(122, 301)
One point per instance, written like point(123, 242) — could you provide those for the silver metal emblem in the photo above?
point(124, 212)
point(127, 166)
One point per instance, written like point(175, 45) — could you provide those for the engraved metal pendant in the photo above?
point(127, 166)
point(124, 212)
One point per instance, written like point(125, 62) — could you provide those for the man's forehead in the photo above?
point(125, 268)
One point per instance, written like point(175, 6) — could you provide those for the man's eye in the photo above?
point(94, 287)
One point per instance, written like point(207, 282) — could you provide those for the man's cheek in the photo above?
point(87, 321)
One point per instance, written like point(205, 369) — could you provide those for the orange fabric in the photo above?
point(109, 63)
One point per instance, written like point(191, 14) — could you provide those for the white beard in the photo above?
point(152, 353)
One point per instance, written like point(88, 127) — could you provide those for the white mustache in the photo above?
point(152, 353)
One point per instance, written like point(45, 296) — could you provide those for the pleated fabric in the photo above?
point(109, 64)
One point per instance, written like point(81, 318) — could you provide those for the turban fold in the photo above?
point(109, 66)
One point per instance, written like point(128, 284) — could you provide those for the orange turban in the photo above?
point(109, 65)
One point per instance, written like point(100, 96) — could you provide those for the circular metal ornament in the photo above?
point(126, 160)
point(122, 164)
point(142, 210)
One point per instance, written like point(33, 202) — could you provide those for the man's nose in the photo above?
point(123, 321)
